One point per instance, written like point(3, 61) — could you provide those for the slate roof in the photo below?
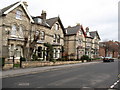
point(94, 33)
point(72, 30)
point(7, 8)
point(52, 21)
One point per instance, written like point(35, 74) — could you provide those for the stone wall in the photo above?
point(39, 64)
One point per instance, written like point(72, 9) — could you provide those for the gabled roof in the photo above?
point(52, 21)
point(94, 33)
point(43, 23)
point(73, 30)
point(9, 8)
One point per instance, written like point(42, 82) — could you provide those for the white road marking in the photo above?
point(112, 86)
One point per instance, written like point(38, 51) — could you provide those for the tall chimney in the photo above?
point(25, 3)
point(43, 14)
point(87, 29)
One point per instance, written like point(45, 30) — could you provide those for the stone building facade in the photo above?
point(51, 31)
point(75, 42)
point(16, 24)
point(19, 32)
point(79, 42)
point(23, 35)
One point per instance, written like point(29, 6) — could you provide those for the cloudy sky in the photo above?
point(100, 15)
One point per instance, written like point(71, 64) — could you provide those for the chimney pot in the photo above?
point(25, 3)
point(43, 14)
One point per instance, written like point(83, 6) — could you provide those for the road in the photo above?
point(98, 75)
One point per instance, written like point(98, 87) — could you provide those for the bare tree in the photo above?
point(31, 38)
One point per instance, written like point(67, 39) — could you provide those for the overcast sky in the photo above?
point(100, 15)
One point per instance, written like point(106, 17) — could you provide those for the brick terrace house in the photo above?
point(109, 49)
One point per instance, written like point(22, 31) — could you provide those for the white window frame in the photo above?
point(14, 31)
point(58, 53)
point(19, 14)
point(58, 38)
point(54, 37)
point(54, 53)
point(18, 51)
point(56, 26)
point(21, 32)
point(42, 36)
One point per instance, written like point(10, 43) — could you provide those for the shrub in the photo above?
point(53, 60)
point(16, 65)
point(3, 61)
point(34, 57)
point(22, 59)
point(85, 57)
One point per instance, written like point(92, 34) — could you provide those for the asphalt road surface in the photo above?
point(98, 75)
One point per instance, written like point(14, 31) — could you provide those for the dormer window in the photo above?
point(39, 20)
point(80, 33)
point(56, 26)
point(19, 14)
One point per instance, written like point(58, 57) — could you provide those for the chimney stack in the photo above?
point(43, 14)
point(25, 3)
point(77, 24)
point(87, 29)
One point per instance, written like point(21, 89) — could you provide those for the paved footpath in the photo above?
point(23, 71)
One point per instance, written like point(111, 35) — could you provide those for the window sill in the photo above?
point(18, 18)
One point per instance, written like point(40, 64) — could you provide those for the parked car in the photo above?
point(108, 59)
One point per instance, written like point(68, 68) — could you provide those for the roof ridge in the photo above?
point(8, 7)
point(52, 18)
point(73, 26)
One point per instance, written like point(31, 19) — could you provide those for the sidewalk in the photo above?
point(24, 71)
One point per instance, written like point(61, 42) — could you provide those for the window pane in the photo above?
point(54, 38)
point(18, 51)
point(13, 32)
point(42, 35)
point(21, 31)
point(58, 53)
point(40, 52)
point(56, 26)
point(18, 14)
point(58, 38)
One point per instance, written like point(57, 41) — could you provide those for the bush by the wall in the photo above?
point(85, 57)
